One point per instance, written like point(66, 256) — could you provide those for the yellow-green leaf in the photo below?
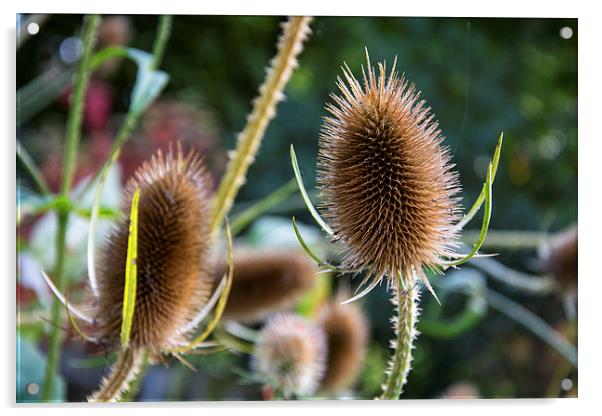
point(131, 274)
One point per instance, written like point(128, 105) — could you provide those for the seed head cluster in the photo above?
point(267, 282)
point(291, 354)
point(174, 275)
point(387, 186)
point(346, 330)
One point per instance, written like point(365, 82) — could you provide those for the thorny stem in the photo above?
point(406, 297)
point(74, 123)
point(295, 31)
point(124, 371)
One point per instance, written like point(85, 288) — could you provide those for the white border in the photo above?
point(590, 149)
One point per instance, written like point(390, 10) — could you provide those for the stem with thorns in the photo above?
point(123, 372)
point(406, 297)
point(290, 44)
point(74, 123)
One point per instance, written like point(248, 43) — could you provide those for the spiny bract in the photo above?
point(387, 186)
point(174, 277)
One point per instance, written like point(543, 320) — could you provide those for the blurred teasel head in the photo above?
point(346, 330)
point(174, 274)
point(290, 355)
point(559, 258)
point(388, 189)
point(266, 282)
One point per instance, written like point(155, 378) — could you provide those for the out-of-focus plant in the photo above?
point(137, 346)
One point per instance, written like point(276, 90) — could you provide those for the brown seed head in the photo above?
point(346, 330)
point(290, 354)
point(387, 185)
point(267, 282)
point(174, 278)
point(560, 258)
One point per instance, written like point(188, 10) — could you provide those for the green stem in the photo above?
point(509, 240)
point(247, 216)
point(74, 123)
point(164, 32)
point(32, 169)
point(534, 324)
point(131, 118)
point(406, 299)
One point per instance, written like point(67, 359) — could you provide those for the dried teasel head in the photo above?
point(346, 330)
point(290, 354)
point(386, 180)
point(559, 258)
point(174, 277)
point(267, 282)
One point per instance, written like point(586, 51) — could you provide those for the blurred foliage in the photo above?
point(480, 76)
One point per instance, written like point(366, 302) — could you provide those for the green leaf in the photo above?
point(308, 203)
point(149, 82)
point(477, 205)
point(484, 225)
point(131, 274)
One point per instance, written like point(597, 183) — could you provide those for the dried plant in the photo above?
point(346, 330)
point(267, 282)
point(390, 197)
point(174, 279)
point(387, 187)
point(559, 258)
point(290, 355)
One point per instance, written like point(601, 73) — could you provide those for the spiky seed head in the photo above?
point(290, 354)
point(559, 258)
point(387, 186)
point(174, 275)
point(267, 282)
point(346, 330)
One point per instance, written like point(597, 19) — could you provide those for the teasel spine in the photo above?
point(290, 45)
point(122, 373)
point(406, 297)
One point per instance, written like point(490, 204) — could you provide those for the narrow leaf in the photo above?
point(131, 274)
point(308, 203)
point(485, 224)
point(477, 205)
point(221, 304)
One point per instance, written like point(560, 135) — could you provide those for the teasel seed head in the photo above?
point(387, 185)
point(267, 282)
point(290, 354)
point(346, 330)
point(559, 258)
point(174, 275)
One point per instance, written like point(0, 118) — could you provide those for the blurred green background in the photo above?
point(480, 77)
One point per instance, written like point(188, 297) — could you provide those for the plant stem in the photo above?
point(406, 299)
point(131, 119)
point(534, 324)
point(247, 216)
point(290, 44)
point(509, 240)
point(32, 169)
point(74, 123)
point(163, 34)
